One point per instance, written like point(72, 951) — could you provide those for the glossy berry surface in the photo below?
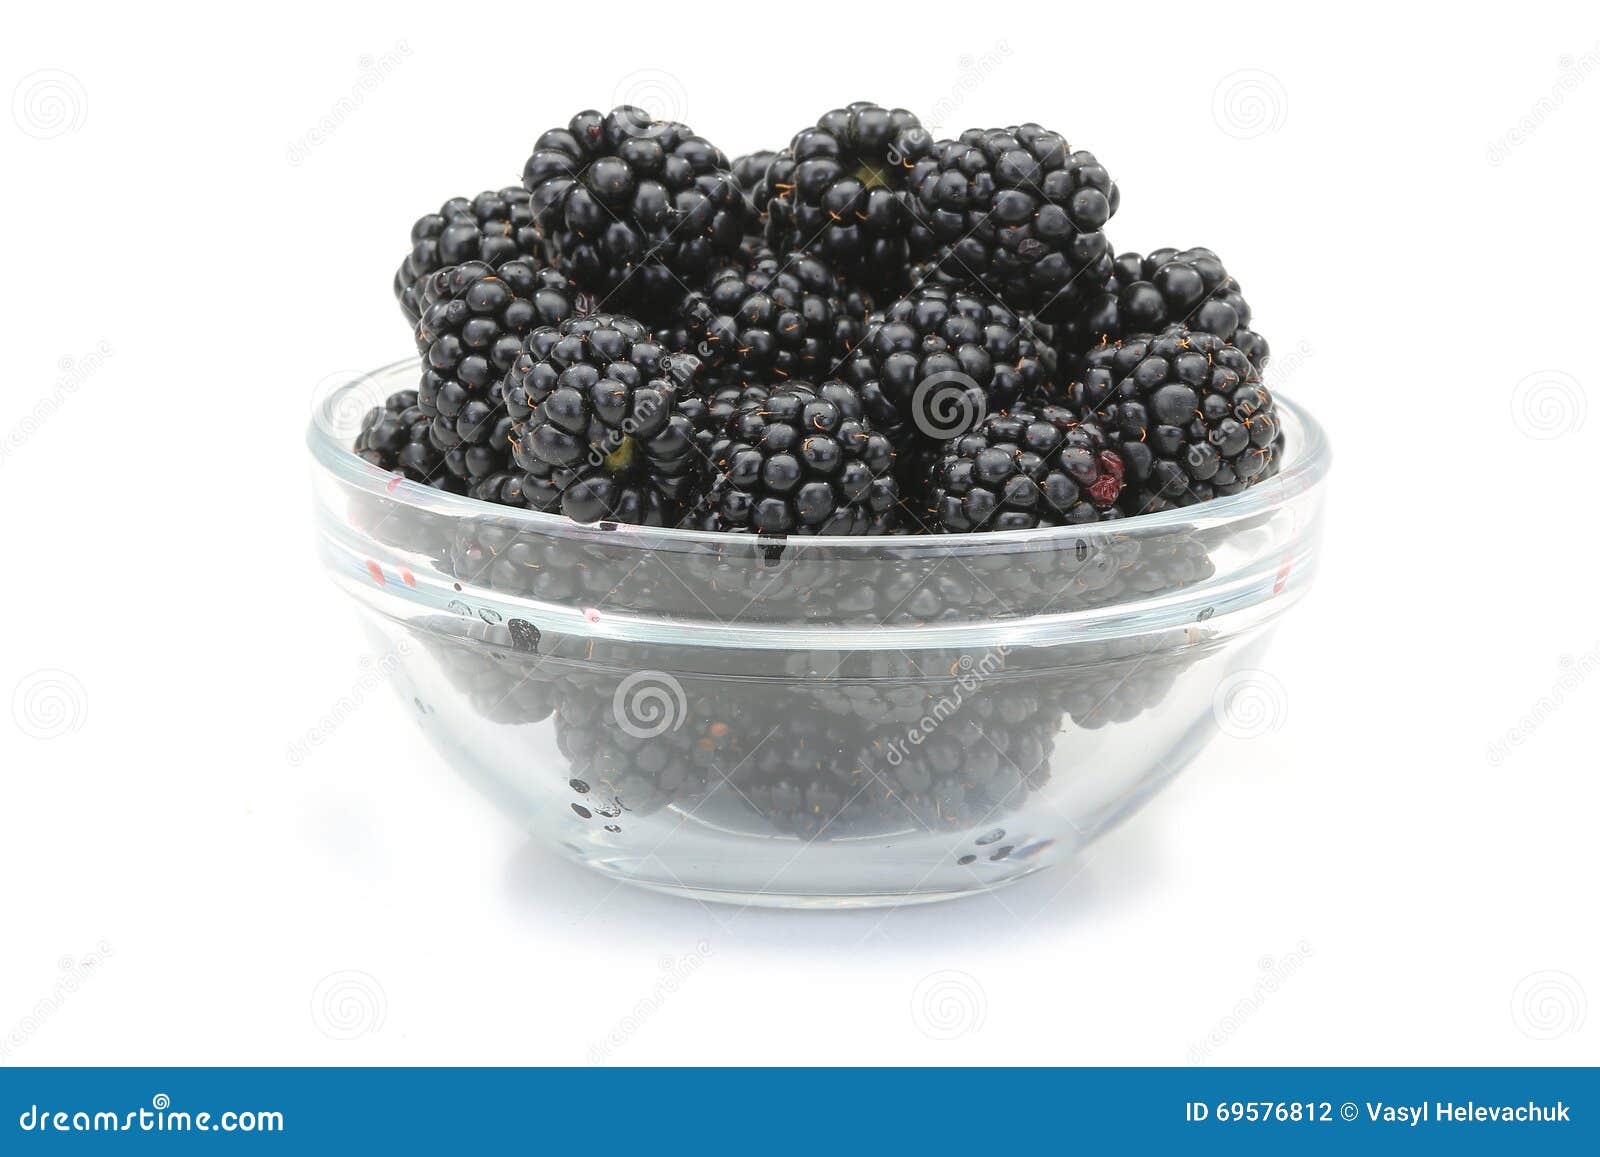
point(635, 210)
point(394, 436)
point(838, 191)
point(597, 427)
point(1019, 212)
point(493, 227)
point(799, 458)
point(938, 360)
point(1166, 287)
point(1023, 469)
point(1187, 412)
point(774, 317)
point(471, 329)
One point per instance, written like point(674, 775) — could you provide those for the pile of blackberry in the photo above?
point(866, 331)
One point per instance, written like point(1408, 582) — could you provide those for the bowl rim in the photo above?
point(1308, 458)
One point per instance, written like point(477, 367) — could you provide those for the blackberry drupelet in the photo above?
point(471, 329)
point(1165, 287)
point(838, 191)
point(493, 227)
point(802, 459)
point(775, 317)
point(1187, 412)
point(394, 436)
point(750, 169)
point(598, 428)
point(1017, 211)
point(634, 209)
point(1023, 469)
point(938, 360)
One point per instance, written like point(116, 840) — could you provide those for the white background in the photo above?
point(174, 286)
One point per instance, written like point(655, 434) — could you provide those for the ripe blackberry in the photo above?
point(493, 227)
point(775, 317)
point(1188, 412)
point(1017, 211)
point(1023, 469)
point(634, 209)
point(838, 191)
point(940, 359)
point(471, 329)
point(800, 458)
point(750, 169)
point(504, 488)
point(1165, 287)
point(394, 436)
point(597, 424)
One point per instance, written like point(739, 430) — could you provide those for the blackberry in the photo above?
point(597, 423)
point(493, 227)
point(1023, 469)
point(941, 358)
point(1017, 211)
point(634, 209)
point(504, 488)
point(394, 436)
point(471, 329)
point(1165, 287)
point(838, 191)
point(1188, 411)
point(775, 317)
point(800, 459)
point(750, 169)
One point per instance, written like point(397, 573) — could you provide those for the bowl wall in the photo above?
point(815, 721)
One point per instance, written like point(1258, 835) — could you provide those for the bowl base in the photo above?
point(813, 900)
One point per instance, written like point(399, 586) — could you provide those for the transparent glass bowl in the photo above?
point(797, 721)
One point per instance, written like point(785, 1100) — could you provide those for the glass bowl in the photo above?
point(808, 721)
